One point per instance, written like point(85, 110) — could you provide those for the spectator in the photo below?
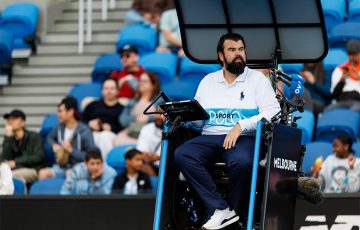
point(22, 149)
point(90, 177)
point(131, 72)
point(147, 15)
point(345, 82)
point(132, 115)
point(69, 140)
point(170, 37)
point(339, 172)
point(132, 181)
point(149, 143)
point(102, 116)
point(6, 179)
point(319, 88)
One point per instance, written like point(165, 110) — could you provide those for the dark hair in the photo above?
point(130, 154)
point(318, 71)
point(110, 79)
point(155, 82)
point(93, 153)
point(229, 36)
point(346, 140)
point(71, 103)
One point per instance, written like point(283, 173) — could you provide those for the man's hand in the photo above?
point(9, 130)
point(67, 145)
point(232, 136)
point(11, 164)
point(122, 81)
point(97, 174)
point(106, 127)
point(309, 77)
point(56, 148)
point(94, 124)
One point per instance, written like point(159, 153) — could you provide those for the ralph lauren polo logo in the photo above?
point(242, 95)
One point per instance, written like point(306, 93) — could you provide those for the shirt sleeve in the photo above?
point(266, 102)
point(6, 183)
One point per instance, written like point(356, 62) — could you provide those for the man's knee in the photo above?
point(45, 173)
point(179, 157)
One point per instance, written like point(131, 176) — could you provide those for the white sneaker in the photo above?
point(220, 219)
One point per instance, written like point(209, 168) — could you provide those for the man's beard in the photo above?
point(235, 67)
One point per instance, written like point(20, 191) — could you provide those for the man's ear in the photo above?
point(221, 56)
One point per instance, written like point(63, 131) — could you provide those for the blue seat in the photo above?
point(163, 64)
point(154, 183)
point(338, 121)
point(51, 186)
point(21, 19)
point(335, 57)
point(334, 12)
point(313, 151)
point(6, 48)
point(292, 68)
point(354, 11)
point(180, 90)
point(306, 123)
point(81, 91)
point(116, 157)
point(104, 65)
point(143, 37)
point(195, 72)
point(19, 187)
point(48, 124)
point(356, 148)
point(343, 33)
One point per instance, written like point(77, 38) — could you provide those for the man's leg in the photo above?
point(193, 158)
point(239, 162)
point(27, 175)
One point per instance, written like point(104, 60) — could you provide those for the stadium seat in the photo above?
point(104, 65)
point(334, 12)
point(306, 123)
point(51, 186)
point(116, 157)
point(356, 148)
point(154, 182)
point(343, 33)
point(19, 187)
point(85, 90)
point(48, 124)
point(143, 37)
point(21, 19)
point(338, 121)
point(335, 57)
point(354, 11)
point(163, 64)
point(6, 48)
point(313, 151)
point(195, 72)
point(180, 90)
point(292, 68)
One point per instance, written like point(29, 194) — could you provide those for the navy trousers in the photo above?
point(195, 156)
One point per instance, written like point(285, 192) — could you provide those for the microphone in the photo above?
point(291, 77)
point(296, 89)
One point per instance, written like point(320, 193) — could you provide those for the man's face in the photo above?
point(94, 166)
point(64, 114)
point(136, 162)
point(233, 56)
point(109, 90)
point(16, 123)
point(354, 58)
point(129, 59)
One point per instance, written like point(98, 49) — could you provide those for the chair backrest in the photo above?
point(334, 12)
point(104, 65)
point(354, 11)
point(6, 46)
point(338, 121)
point(154, 183)
point(356, 148)
point(335, 57)
point(51, 186)
point(19, 187)
point(143, 37)
point(116, 157)
point(195, 72)
point(292, 68)
point(48, 124)
point(163, 64)
point(313, 151)
point(82, 91)
point(306, 123)
point(180, 90)
point(343, 33)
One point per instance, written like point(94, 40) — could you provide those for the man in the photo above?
point(345, 80)
point(90, 177)
point(131, 71)
point(69, 140)
point(22, 149)
point(102, 116)
point(243, 97)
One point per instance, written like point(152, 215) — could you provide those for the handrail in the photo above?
point(81, 27)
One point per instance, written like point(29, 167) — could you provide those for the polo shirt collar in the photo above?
point(240, 78)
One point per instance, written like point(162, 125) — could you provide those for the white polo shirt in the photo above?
point(246, 101)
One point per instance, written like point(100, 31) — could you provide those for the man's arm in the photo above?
point(69, 185)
